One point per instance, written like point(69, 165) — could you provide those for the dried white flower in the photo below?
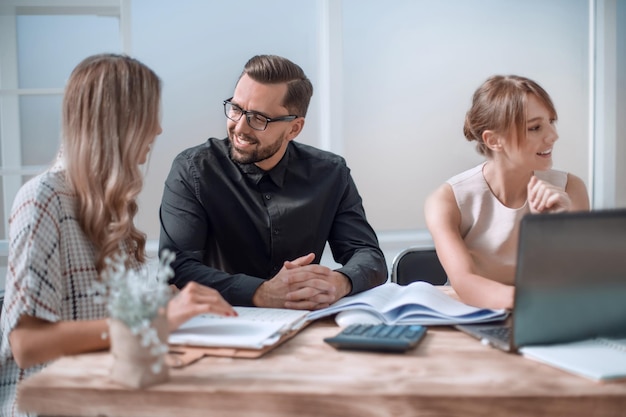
point(134, 299)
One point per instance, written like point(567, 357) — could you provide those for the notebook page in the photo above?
point(253, 328)
point(598, 359)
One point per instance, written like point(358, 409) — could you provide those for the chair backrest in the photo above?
point(418, 264)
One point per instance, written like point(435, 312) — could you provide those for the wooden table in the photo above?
point(448, 374)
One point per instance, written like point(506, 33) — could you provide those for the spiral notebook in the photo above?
point(601, 359)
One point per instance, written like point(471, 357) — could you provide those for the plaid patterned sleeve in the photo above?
point(34, 285)
point(50, 270)
point(51, 262)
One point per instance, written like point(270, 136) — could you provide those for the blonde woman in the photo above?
point(474, 217)
point(68, 220)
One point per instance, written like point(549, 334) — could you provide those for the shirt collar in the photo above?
point(276, 174)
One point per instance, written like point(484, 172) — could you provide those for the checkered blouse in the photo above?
point(51, 267)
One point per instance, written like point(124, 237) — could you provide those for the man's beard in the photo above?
point(257, 154)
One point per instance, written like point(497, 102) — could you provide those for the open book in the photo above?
point(416, 303)
point(601, 359)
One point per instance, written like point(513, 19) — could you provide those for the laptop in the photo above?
point(570, 281)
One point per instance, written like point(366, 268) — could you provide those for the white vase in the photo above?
point(133, 364)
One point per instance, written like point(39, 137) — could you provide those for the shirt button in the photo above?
point(275, 231)
point(268, 197)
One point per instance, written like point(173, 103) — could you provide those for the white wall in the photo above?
point(199, 48)
point(399, 73)
point(409, 68)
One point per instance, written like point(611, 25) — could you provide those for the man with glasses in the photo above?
point(250, 215)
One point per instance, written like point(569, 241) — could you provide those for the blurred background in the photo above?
point(393, 80)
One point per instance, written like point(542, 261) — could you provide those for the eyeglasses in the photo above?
point(256, 121)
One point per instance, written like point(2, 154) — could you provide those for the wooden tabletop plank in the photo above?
point(448, 374)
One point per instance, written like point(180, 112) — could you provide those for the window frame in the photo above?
point(11, 170)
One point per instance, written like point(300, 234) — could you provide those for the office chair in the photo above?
point(418, 264)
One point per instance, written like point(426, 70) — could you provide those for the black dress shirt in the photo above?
point(233, 225)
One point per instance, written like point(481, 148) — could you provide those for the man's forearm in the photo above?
point(366, 269)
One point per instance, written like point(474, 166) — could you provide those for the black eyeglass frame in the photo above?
point(249, 114)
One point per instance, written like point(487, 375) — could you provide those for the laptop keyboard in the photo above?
point(502, 333)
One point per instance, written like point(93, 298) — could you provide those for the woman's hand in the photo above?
point(195, 299)
point(545, 197)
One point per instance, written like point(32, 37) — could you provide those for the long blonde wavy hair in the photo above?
point(110, 114)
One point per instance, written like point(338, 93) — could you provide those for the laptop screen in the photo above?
point(571, 277)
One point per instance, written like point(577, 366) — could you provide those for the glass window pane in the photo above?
point(49, 47)
point(40, 126)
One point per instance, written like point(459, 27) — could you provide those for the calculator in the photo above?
point(378, 337)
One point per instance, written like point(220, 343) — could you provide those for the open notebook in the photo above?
point(252, 334)
point(253, 328)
